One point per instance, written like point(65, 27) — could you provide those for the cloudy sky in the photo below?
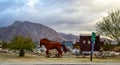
point(68, 16)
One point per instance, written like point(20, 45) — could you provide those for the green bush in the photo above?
point(21, 44)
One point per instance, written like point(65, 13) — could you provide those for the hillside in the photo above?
point(33, 30)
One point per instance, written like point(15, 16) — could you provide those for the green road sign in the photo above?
point(93, 38)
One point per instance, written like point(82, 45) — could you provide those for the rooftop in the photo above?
point(88, 34)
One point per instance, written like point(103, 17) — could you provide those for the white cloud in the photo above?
point(31, 3)
point(78, 16)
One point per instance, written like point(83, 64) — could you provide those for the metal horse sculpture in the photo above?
point(53, 45)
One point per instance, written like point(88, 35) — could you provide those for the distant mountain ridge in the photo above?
point(69, 37)
point(33, 30)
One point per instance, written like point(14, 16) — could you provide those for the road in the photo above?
point(59, 64)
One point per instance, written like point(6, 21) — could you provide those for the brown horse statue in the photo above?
point(52, 45)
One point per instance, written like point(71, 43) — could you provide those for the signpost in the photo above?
point(93, 38)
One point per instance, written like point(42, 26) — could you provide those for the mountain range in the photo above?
point(35, 31)
point(69, 37)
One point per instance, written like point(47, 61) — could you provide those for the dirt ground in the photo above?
point(13, 57)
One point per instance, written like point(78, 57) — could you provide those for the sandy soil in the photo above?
point(12, 57)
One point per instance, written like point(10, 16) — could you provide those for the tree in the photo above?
point(0, 44)
point(4, 45)
point(110, 25)
point(21, 44)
